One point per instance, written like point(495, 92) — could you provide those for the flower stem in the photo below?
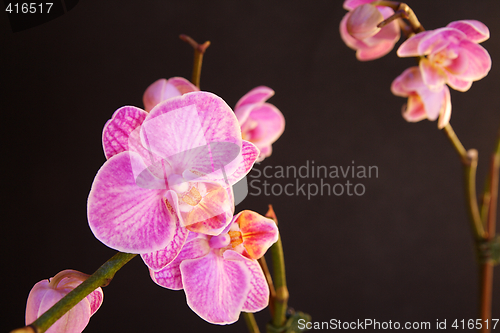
point(101, 278)
point(251, 322)
point(269, 280)
point(281, 299)
point(469, 161)
point(401, 10)
point(199, 50)
point(486, 268)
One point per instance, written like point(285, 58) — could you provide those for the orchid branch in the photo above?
point(199, 50)
point(101, 278)
point(251, 322)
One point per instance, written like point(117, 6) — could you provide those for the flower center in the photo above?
point(217, 242)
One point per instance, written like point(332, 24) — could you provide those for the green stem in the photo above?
point(489, 217)
point(101, 278)
point(199, 50)
point(469, 162)
point(281, 299)
point(269, 280)
point(251, 322)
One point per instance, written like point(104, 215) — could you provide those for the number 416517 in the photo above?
point(29, 8)
point(474, 324)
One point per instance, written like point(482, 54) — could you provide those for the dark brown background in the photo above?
point(401, 252)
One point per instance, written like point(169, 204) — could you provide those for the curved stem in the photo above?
point(251, 322)
point(199, 50)
point(490, 214)
point(401, 10)
point(269, 280)
point(101, 278)
point(469, 162)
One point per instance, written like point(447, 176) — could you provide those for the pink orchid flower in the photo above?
point(163, 89)
point(46, 293)
point(423, 103)
point(453, 55)
point(168, 171)
point(220, 274)
point(358, 29)
point(261, 123)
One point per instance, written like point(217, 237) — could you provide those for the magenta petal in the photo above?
point(35, 299)
point(475, 31)
point(414, 110)
point(182, 85)
point(374, 52)
point(188, 131)
point(125, 216)
point(258, 297)
point(434, 102)
point(250, 154)
point(74, 321)
point(271, 124)
point(95, 299)
point(432, 75)
point(439, 39)
point(457, 84)
point(170, 276)
point(351, 4)
point(155, 93)
point(409, 48)
point(479, 61)
point(117, 131)
point(256, 95)
point(159, 259)
point(216, 287)
point(445, 114)
point(350, 41)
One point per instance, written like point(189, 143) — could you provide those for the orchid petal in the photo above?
point(254, 96)
point(95, 299)
point(409, 48)
point(264, 152)
point(159, 259)
point(187, 130)
point(374, 52)
point(162, 89)
point(414, 110)
point(35, 299)
point(351, 4)
point(479, 61)
point(363, 21)
point(434, 102)
point(439, 39)
point(258, 232)
point(216, 287)
point(125, 216)
point(258, 297)
point(350, 41)
point(475, 31)
point(432, 75)
point(457, 84)
point(271, 124)
point(116, 136)
point(170, 276)
point(445, 114)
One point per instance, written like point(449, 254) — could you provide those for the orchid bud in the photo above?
point(363, 21)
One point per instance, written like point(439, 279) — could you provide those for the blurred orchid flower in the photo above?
point(168, 171)
point(220, 274)
point(46, 293)
point(163, 89)
point(453, 54)
point(359, 30)
point(261, 123)
point(423, 103)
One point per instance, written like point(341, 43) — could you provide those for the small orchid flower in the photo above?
point(163, 89)
point(423, 103)
point(220, 274)
point(359, 30)
point(168, 171)
point(453, 55)
point(48, 292)
point(261, 123)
